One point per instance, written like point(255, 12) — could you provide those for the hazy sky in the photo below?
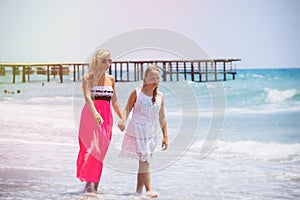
point(263, 33)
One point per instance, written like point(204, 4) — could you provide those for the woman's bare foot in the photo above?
point(89, 188)
point(96, 187)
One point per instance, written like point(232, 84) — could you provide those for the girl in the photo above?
point(147, 121)
point(96, 121)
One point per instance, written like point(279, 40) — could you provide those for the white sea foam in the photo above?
point(14, 141)
point(277, 96)
point(252, 150)
point(263, 109)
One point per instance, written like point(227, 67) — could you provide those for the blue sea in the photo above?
point(234, 139)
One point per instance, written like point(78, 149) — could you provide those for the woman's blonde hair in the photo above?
point(149, 69)
point(94, 72)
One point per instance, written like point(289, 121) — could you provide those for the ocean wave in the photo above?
point(253, 150)
point(264, 109)
point(277, 96)
point(25, 168)
point(32, 142)
point(57, 100)
point(263, 101)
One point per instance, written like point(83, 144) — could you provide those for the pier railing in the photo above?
point(126, 71)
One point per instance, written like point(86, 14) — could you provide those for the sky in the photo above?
point(263, 33)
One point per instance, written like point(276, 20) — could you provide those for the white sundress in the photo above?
point(140, 139)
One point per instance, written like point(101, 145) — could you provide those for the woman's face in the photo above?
point(105, 62)
point(152, 78)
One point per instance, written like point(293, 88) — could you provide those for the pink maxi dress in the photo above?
point(94, 139)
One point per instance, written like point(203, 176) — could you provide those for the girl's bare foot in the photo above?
point(152, 194)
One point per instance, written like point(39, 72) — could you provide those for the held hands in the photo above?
point(164, 144)
point(98, 119)
point(121, 125)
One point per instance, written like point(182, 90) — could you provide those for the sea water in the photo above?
point(249, 127)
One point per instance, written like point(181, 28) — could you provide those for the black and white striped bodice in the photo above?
point(102, 92)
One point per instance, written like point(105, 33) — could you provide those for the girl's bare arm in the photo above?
point(163, 124)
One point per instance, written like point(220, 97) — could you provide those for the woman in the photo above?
point(95, 130)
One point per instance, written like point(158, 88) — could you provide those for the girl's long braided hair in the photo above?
point(149, 69)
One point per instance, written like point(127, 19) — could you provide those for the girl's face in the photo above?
point(105, 63)
point(152, 78)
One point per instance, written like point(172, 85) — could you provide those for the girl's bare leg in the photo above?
point(140, 183)
point(140, 179)
point(145, 176)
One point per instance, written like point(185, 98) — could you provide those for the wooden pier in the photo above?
point(127, 71)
